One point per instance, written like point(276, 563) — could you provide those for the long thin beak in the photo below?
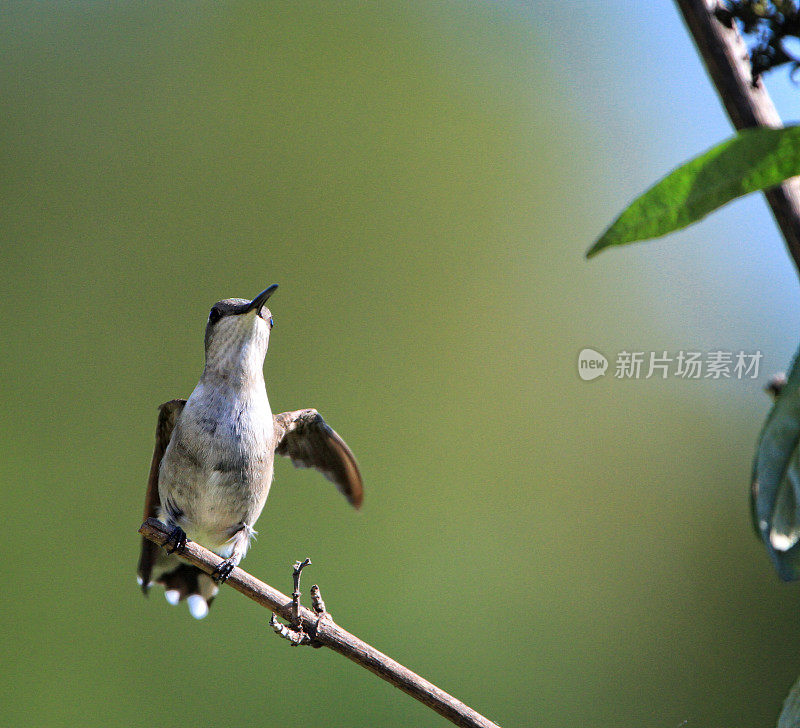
point(261, 299)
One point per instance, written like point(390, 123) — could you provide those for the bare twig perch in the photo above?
point(295, 632)
point(326, 632)
point(725, 56)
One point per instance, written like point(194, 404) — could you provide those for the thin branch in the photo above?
point(298, 569)
point(295, 632)
point(726, 59)
point(324, 630)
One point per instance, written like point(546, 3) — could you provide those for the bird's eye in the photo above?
point(214, 316)
point(271, 322)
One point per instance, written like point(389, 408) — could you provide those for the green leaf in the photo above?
point(776, 479)
point(790, 715)
point(755, 159)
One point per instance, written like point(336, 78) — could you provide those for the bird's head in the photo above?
point(237, 332)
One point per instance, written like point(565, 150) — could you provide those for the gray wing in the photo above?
point(305, 438)
point(168, 414)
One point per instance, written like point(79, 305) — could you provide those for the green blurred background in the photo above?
point(422, 180)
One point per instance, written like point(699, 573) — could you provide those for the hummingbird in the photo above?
point(213, 460)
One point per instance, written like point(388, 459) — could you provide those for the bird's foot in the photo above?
point(223, 571)
point(176, 540)
point(295, 632)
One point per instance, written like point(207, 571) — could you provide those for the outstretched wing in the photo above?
point(168, 414)
point(305, 438)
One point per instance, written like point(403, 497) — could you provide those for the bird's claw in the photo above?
point(223, 571)
point(176, 540)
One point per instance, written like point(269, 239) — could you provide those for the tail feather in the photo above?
point(192, 585)
point(183, 582)
point(183, 579)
